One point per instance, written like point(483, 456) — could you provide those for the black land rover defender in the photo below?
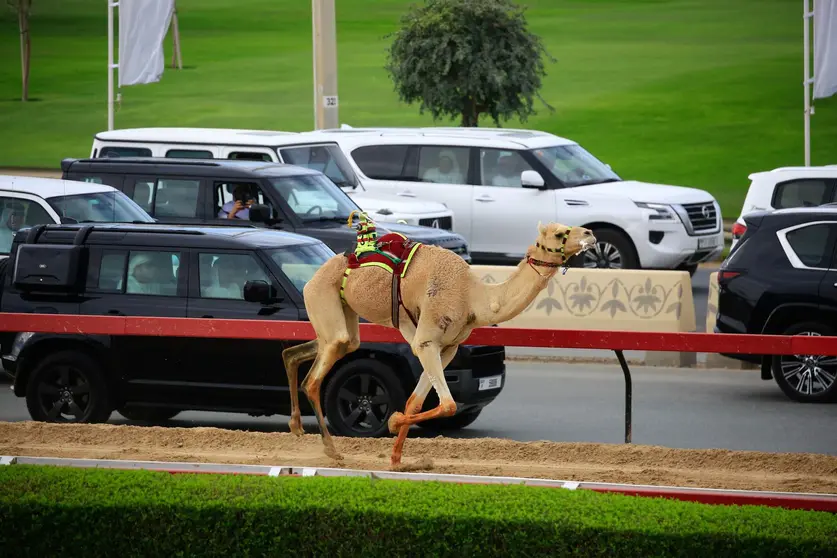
point(203, 191)
point(197, 272)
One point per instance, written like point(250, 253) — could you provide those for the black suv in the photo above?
point(194, 272)
point(781, 278)
point(199, 191)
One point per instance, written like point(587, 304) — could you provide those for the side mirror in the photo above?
point(68, 221)
point(259, 213)
point(260, 291)
point(532, 179)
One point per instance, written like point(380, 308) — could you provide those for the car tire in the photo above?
point(612, 248)
point(797, 374)
point(450, 424)
point(361, 396)
point(68, 384)
point(148, 414)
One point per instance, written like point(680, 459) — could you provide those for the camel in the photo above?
point(426, 292)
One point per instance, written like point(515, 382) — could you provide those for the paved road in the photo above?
point(561, 402)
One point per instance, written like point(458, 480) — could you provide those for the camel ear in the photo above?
point(541, 228)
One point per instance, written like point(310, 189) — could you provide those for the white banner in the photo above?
point(825, 49)
point(143, 25)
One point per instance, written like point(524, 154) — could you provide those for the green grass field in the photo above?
point(688, 92)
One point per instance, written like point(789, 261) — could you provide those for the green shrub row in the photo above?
point(61, 511)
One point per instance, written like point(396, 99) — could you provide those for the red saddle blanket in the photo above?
point(393, 252)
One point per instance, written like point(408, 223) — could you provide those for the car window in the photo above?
point(443, 165)
point(810, 244)
point(112, 151)
point(299, 263)
point(382, 162)
point(801, 193)
point(225, 194)
point(100, 207)
point(224, 275)
point(250, 156)
point(152, 273)
point(176, 197)
point(501, 167)
point(189, 154)
point(327, 159)
point(313, 197)
point(112, 271)
point(15, 214)
point(98, 178)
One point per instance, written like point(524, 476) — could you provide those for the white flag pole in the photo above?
point(111, 65)
point(807, 15)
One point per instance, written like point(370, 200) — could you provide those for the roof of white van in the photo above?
point(50, 187)
point(195, 135)
point(495, 137)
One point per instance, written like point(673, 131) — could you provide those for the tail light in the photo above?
point(738, 230)
point(724, 276)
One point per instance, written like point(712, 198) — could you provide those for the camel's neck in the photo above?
point(497, 303)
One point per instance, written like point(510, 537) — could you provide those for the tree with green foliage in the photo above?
point(23, 8)
point(467, 58)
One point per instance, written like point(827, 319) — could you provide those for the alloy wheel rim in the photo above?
point(64, 395)
point(363, 403)
point(809, 374)
point(603, 255)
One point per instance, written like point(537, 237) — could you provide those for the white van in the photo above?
point(26, 201)
point(500, 182)
point(271, 146)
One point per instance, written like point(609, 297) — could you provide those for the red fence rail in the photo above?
point(617, 341)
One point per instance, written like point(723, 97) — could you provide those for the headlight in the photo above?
point(20, 341)
point(660, 211)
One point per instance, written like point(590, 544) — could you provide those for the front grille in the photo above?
point(703, 217)
point(445, 223)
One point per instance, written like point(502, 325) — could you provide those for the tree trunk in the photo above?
point(25, 46)
point(470, 115)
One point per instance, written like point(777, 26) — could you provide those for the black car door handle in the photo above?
point(207, 316)
point(115, 313)
point(268, 310)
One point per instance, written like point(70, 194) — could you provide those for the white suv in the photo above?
point(500, 182)
point(270, 146)
point(787, 187)
point(26, 201)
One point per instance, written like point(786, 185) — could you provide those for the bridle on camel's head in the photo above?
point(560, 250)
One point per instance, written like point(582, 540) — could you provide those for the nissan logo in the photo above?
point(435, 224)
point(706, 211)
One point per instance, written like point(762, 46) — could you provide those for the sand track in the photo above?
point(789, 472)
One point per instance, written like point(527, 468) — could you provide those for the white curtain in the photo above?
point(143, 25)
point(825, 48)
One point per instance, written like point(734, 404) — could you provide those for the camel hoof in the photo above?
point(423, 464)
point(296, 427)
point(393, 422)
point(332, 453)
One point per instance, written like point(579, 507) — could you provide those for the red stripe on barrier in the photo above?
point(727, 498)
point(505, 336)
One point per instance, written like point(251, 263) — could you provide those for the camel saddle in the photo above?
point(392, 252)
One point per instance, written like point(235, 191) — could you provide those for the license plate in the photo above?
point(710, 242)
point(492, 382)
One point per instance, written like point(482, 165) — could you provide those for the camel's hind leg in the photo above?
point(293, 357)
point(338, 335)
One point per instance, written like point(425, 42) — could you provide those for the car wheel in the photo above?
point(456, 422)
point(68, 387)
point(360, 398)
point(148, 414)
point(613, 250)
point(807, 378)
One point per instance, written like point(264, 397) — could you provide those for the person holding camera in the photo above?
point(239, 206)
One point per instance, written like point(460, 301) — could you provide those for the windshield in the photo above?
point(574, 166)
point(327, 159)
point(299, 263)
point(100, 207)
point(313, 197)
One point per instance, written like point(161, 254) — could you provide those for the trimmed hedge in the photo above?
point(62, 511)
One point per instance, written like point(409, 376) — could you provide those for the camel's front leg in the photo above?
point(293, 357)
point(415, 402)
point(428, 353)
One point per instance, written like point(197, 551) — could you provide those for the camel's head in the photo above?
point(557, 243)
